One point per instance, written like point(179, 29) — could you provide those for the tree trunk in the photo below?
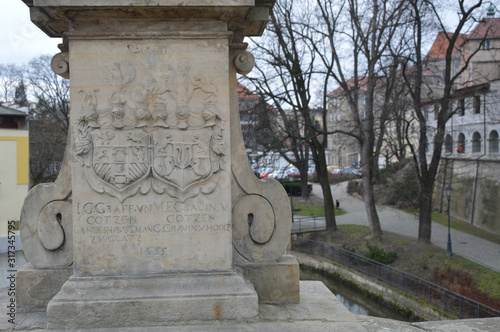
point(319, 157)
point(425, 209)
point(371, 211)
point(368, 194)
point(303, 180)
point(331, 224)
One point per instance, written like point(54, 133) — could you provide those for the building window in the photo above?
point(476, 142)
point(486, 44)
point(461, 107)
point(363, 115)
point(477, 104)
point(362, 99)
point(448, 144)
point(493, 142)
point(461, 143)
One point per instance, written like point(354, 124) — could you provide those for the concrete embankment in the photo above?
point(390, 296)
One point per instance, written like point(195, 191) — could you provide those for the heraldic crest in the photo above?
point(161, 134)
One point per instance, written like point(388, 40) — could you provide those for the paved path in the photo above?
point(471, 247)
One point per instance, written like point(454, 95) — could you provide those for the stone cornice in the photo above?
point(57, 17)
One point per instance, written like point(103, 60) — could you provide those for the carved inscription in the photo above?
point(117, 224)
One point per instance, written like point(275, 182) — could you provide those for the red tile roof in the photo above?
point(438, 49)
point(488, 27)
point(244, 93)
point(362, 81)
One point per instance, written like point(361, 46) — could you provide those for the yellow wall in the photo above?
point(14, 174)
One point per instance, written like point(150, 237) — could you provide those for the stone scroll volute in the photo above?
point(261, 210)
point(46, 219)
point(46, 222)
point(60, 64)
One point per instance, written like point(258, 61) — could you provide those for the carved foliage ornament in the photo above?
point(157, 133)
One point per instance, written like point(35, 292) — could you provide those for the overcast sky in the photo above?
point(21, 40)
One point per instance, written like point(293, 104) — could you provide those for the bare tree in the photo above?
point(10, 76)
point(21, 94)
point(49, 120)
point(285, 77)
point(426, 170)
point(366, 29)
point(51, 92)
point(47, 145)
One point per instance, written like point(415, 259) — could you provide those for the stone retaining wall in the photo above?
point(476, 191)
point(390, 296)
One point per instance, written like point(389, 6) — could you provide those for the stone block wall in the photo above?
point(476, 191)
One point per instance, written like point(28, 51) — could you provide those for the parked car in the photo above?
point(276, 174)
point(285, 172)
point(334, 169)
point(311, 171)
point(351, 170)
point(265, 172)
point(294, 172)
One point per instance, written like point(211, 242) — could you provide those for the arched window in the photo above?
point(476, 142)
point(448, 144)
point(493, 142)
point(461, 143)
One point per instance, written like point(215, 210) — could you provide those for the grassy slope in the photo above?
point(416, 258)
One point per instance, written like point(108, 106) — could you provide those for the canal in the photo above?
point(355, 301)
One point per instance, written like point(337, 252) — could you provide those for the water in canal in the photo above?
point(356, 302)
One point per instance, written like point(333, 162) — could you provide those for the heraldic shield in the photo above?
point(122, 162)
point(181, 158)
point(142, 141)
point(120, 158)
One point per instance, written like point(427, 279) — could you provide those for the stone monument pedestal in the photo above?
point(275, 282)
point(156, 208)
point(155, 300)
point(36, 287)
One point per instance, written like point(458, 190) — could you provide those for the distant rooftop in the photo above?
point(8, 111)
point(362, 83)
point(244, 93)
point(438, 49)
point(486, 28)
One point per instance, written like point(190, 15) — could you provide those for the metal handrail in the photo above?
point(312, 224)
point(451, 301)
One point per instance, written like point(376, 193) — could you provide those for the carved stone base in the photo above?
point(275, 282)
point(36, 287)
point(155, 300)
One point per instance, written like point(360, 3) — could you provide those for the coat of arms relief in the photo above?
point(157, 130)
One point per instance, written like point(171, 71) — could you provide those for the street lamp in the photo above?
point(290, 178)
point(448, 190)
